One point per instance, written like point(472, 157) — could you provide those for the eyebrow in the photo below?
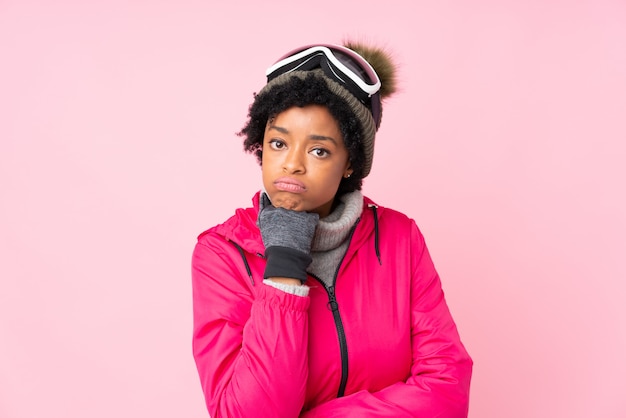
point(312, 137)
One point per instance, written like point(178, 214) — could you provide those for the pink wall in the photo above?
point(117, 148)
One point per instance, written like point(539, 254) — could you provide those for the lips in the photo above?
point(288, 184)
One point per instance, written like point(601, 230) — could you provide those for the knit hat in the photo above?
point(360, 75)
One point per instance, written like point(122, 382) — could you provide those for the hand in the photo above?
point(287, 236)
point(287, 228)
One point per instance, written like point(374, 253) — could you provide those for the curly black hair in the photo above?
point(302, 92)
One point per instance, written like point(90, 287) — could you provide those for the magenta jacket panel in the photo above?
point(379, 343)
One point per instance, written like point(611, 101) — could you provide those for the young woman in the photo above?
point(315, 301)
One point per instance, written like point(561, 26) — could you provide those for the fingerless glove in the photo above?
point(287, 236)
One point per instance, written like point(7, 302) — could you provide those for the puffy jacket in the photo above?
point(379, 343)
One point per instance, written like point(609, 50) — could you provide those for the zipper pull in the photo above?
point(332, 302)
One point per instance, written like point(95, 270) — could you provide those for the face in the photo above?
point(304, 159)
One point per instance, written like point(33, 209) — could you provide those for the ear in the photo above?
point(348, 171)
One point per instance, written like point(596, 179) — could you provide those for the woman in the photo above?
point(315, 301)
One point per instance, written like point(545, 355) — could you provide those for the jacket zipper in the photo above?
point(334, 307)
point(341, 334)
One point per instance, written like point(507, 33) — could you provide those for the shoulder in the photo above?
point(392, 224)
point(240, 228)
point(226, 228)
point(219, 251)
point(385, 214)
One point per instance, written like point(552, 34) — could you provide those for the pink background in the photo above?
point(118, 146)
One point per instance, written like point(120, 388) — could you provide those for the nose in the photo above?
point(294, 161)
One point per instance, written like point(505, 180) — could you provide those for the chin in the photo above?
point(288, 202)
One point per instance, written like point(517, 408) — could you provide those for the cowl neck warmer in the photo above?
point(330, 241)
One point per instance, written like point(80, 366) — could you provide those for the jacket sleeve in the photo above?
point(249, 342)
point(438, 385)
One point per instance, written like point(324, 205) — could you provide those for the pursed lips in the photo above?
point(288, 184)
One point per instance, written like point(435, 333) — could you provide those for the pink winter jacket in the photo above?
point(379, 343)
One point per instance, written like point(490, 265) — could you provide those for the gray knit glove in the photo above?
point(287, 235)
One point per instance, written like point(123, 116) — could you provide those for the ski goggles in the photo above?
point(339, 64)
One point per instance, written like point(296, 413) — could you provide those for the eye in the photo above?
point(277, 144)
point(320, 152)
